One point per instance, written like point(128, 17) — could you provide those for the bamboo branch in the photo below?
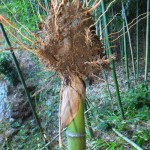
point(94, 6)
point(42, 6)
point(127, 29)
point(127, 140)
point(109, 23)
point(24, 27)
point(103, 13)
point(55, 137)
point(129, 24)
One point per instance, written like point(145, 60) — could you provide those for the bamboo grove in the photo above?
point(80, 40)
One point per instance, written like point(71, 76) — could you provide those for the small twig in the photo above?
point(20, 43)
point(131, 24)
point(109, 23)
point(25, 27)
point(94, 6)
point(102, 14)
point(37, 92)
point(11, 48)
point(129, 28)
point(89, 3)
point(13, 26)
point(103, 80)
point(42, 6)
point(53, 139)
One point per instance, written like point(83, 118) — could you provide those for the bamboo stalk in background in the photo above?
point(108, 89)
point(96, 16)
point(121, 49)
point(100, 34)
point(87, 119)
point(137, 41)
point(126, 56)
point(130, 44)
point(112, 63)
point(147, 44)
point(24, 84)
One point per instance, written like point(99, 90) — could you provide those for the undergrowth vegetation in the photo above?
point(103, 120)
point(7, 69)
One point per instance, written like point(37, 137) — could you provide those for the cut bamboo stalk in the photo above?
point(76, 131)
point(72, 112)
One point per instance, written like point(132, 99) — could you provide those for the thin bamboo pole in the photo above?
point(147, 44)
point(20, 75)
point(112, 63)
point(137, 41)
point(129, 37)
point(87, 119)
point(126, 56)
point(108, 89)
point(99, 34)
point(23, 82)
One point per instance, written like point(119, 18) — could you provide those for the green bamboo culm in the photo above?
point(24, 84)
point(108, 88)
point(126, 56)
point(99, 34)
point(76, 130)
point(112, 63)
point(147, 43)
point(21, 76)
point(137, 41)
point(130, 44)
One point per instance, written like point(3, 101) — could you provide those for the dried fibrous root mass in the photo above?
point(70, 45)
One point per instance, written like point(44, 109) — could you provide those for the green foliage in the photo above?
point(14, 11)
point(28, 137)
point(7, 69)
point(3, 126)
point(47, 104)
point(138, 97)
point(104, 126)
point(135, 127)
